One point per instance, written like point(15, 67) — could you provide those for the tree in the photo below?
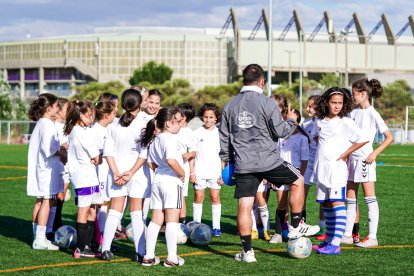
point(329, 80)
point(151, 72)
point(6, 105)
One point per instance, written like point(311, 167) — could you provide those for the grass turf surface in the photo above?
point(394, 255)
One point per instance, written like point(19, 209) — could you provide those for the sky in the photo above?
point(48, 18)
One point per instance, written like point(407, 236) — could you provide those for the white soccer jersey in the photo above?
point(186, 140)
point(335, 136)
point(207, 161)
point(369, 121)
point(145, 117)
point(62, 137)
point(165, 146)
point(42, 165)
point(294, 149)
point(82, 148)
point(308, 126)
point(100, 133)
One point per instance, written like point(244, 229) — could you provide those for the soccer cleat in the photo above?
point(319, 246)
point(119, 235)
point(276, 238)
point(266, 235)
point(180, 262)
point(107, 255)
point(285, 233)
point(137, 258)
point(86, 253)
point(329, 249)
point(44, 244)
point(347, 240)
point(367, 242)
point(321, 231)
point(303, 229)
point(150, 262)
point(355, 237)
point(255, 235)
point(321, 237)
point(247, 257)
point(216, 233)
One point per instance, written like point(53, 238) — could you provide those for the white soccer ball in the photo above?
point(182, 233)
point(65, 236)
point(129, 233)
point(299, 248)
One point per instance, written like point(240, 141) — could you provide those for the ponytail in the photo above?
point(376, 88)
point(131, 101)
point(39, 106)
point(148, 133)
point(75, 109)
point(372, 87)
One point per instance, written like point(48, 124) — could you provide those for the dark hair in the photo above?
point(164, 115)
point(75, 109)
point(131, 100)
point(39, 106)
point(155, 92)
point(62, 102)
point(187, 110)
point(301, 130)
point(106, 96)
point(372, 87)
point(314, 98)
point(212, 107)
point(252, 74)
point(103, 108)
point(282, 103)
point(322, 107)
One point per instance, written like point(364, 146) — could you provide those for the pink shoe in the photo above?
point(329, 249)
point(319, 246)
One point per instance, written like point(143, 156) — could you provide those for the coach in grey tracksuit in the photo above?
point(250, 127)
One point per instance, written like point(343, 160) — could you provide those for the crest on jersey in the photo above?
point(245, 120)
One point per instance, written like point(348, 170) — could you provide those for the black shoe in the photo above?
point(107, 255)
point(137, 258)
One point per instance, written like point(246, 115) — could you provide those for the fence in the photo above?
point(18, 132)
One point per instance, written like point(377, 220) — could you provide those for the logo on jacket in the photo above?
point(245, 120)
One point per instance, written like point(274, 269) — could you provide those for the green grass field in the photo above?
point(395, 190)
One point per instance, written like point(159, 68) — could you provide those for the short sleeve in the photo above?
point(142, 151)
point(88, 144)
point(380, 124)
point(49, 144)
point(108, 144)
point(171, 148)
point(355, 134)
point(304, 148)
point(315, 130)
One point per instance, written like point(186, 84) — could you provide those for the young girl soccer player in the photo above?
point(338, 136)
point(83, 155)
point(43, 164)
point(129, 174)
point(308, 126)
point(361, 163)
point(105, 114)
point(164, 155)
point(206, 172)
point(186, 139)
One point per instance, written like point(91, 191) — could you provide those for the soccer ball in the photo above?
point(227, 175)
point(190, 225)
point(299, 248)
point(128, 232)
point(201, 234)
point(65, 236)
point(68, 195)
point(182, 234)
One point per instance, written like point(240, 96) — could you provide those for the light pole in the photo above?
point(290, 66)
point(346, 33)
point(300, 70)
point(269, 66)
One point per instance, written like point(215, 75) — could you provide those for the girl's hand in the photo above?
point(193, 178)
point(264, 182)
point(126, 176)
point(118, 180)
point(371, 158)
point(220, 180)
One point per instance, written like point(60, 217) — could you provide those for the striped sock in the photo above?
point(340, 223)
point(373, 216)
point(330, 223)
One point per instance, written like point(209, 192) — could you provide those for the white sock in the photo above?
point(322, 223)
point(145, 209)
point(112, 221)
point(102, 214)
point(152, 235)
point(340, 221)
point(254, 223)
point(373, 216)
point(216, 210)
point(126, 202)
point(197, 212)
point(350, 216)
point(51, 219)
point(138, 230)
point(264, 215)
point(171, 239)
point(256, 212)
point(34, 225)
point(41, 232)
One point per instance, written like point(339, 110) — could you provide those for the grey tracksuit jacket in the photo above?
point(250, 126)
